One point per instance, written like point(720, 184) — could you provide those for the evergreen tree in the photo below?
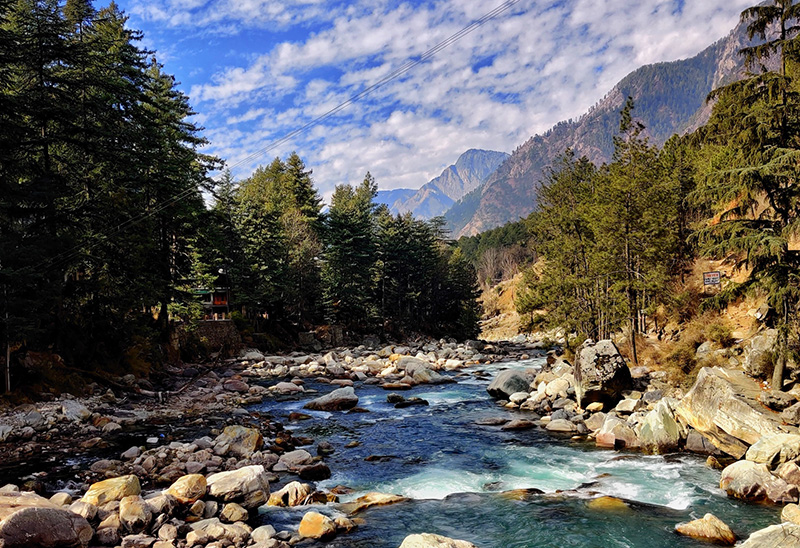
point(350, 256)
point(753, 195)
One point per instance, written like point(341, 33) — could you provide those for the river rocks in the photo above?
point(508, 382)
point(339, 400)
point(775, 449)
point(608, 504)
point(616, 433)
point(369, 500)
point(427, 540)
point(317, 526)
point(112, 490)
point(295, 459)
point(75, 411)
point(791, 415)
point(287, 388)
point(241, 441)
point(709, 529)
point(42, 527)
point(698, 443)
point(753, 482)
point(716, 407)
point(561, 426)
point(789, 472)
point(519, 424)
point(759, 360)
point(189, 488)
point(601, 373)
point(232, 512)
point(134, 514)
point(785, 535)
point(659, 432)
point(791, 514)
point(249, 486)
point(292, 494)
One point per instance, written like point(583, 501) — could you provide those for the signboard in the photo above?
point(711, 278)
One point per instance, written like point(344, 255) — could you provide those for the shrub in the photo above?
point(719, 333)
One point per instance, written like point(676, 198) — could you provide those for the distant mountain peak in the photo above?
point(438, 195)
point(670, 98)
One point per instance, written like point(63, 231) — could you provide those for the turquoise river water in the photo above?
point(454, 472)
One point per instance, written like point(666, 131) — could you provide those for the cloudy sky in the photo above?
point(258, 69)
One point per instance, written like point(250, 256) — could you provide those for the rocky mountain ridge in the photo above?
point(670, 98)
point(439, 194)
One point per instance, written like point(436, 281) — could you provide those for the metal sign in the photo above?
point(711, 278)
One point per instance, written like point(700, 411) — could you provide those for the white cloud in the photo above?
point(542, 62)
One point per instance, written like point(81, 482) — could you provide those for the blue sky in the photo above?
point(257, 69)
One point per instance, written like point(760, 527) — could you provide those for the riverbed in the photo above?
point(463, 480)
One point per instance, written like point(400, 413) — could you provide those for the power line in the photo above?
point(66, 256)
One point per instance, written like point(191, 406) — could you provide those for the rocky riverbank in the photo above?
point(205, 460)
point(726, 415)
point(181, 490)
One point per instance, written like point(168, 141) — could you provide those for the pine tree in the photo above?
point(350, 260)
point(753, 195)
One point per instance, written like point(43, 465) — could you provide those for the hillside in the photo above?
point(670, 98)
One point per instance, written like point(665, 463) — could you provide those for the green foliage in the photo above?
point(751, 189)
point(719, 332)
point(611, 238)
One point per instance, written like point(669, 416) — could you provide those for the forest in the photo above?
point(112, 220)
point(616, 241)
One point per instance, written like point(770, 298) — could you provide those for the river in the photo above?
point(455, 472)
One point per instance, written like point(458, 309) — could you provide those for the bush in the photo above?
point(719, 333)
point(682, 357)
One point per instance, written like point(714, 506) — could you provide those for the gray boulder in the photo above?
point(36, 527)
point(759, 360)
point(722, 406)
point(248, 486)
point(753, 482)
point(601, 373)
point(338, 400)
point(775, 449)
point(785, 535)
point(509, 382)
point(427, 540)
point(660, 432)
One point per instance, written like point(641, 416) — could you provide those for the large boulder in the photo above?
point(785, 535)
point(509, 382)
point(338, 400)
point(615, 433)
point(759, 361)
point(708, 529)
point(248, 486)
point(112, 490)
point(660, 432)
point(292, 494)
point(75, 411)
point(242, 441)
point(753, 482)
point(188, 489)
point(134, 514)
point(601, 373)
point(722, 406)
point(774, 450)
point(43, 527)
point(316, 525)
point(427, 540)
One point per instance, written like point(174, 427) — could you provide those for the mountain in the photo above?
point(670, 98)
point(438, 195)
point(395, 196)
